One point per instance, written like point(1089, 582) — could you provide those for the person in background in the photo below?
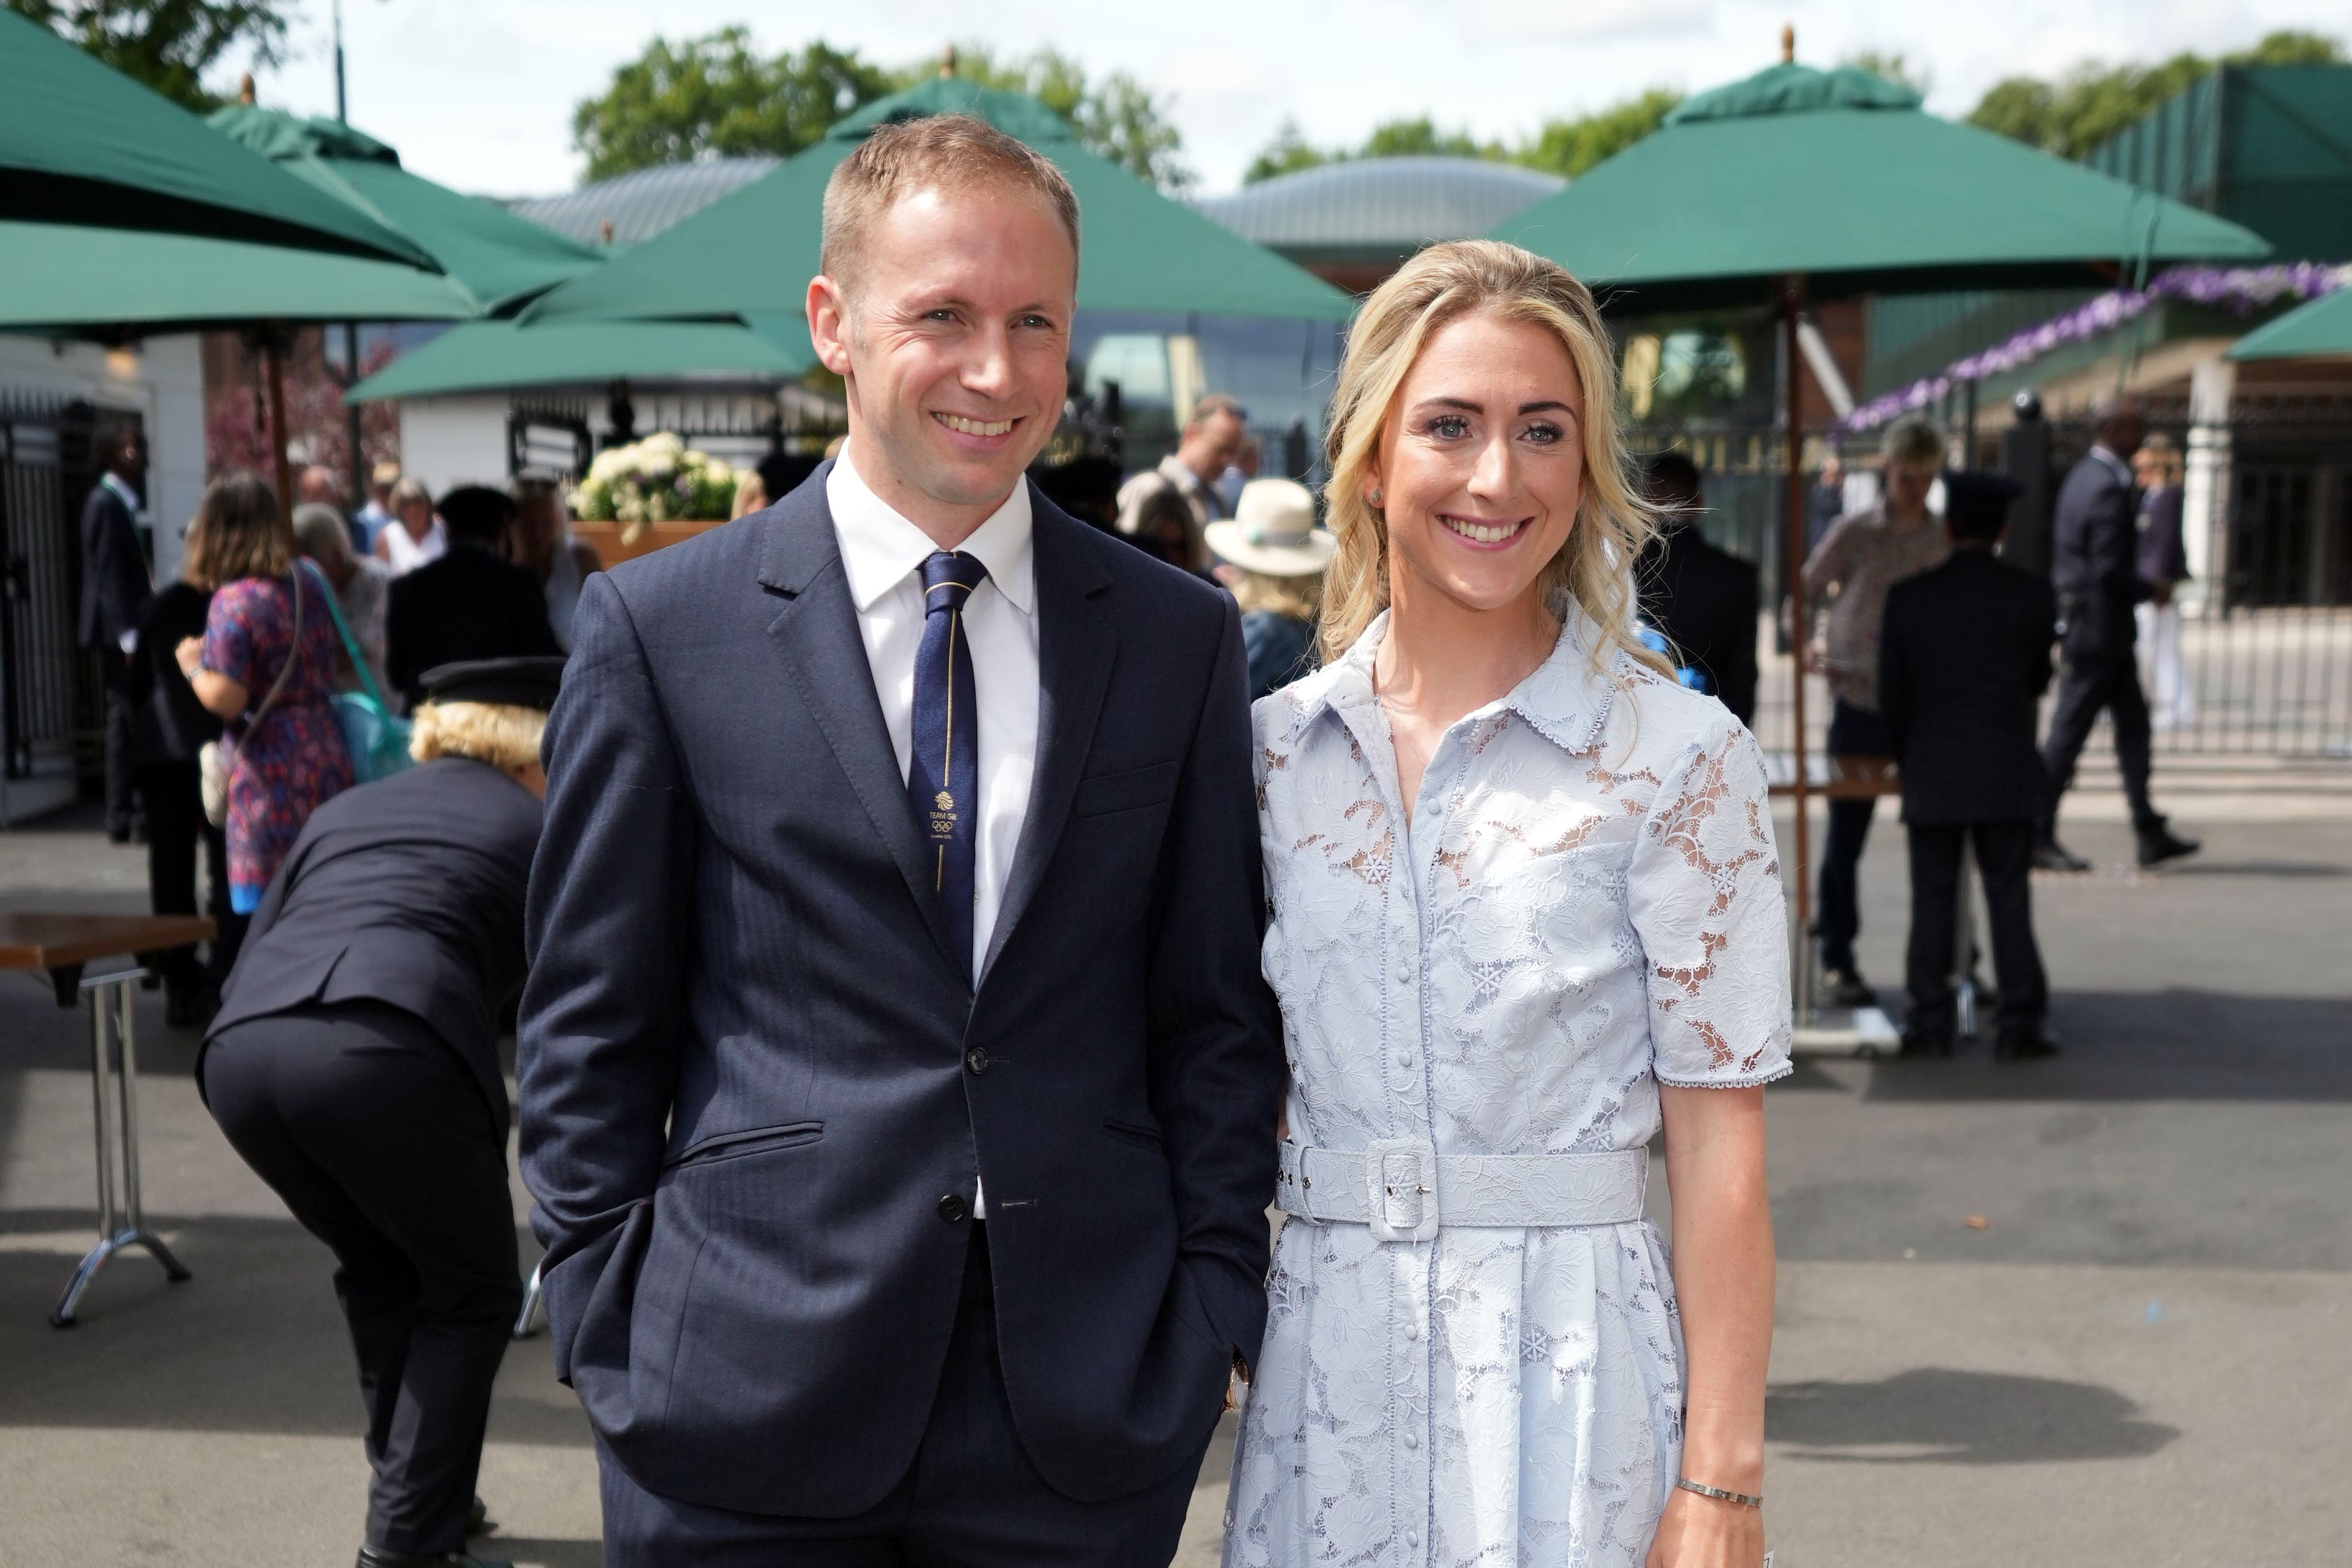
point(266, 664)
point(362, 586)
point(316, 485)
point(354, 1067)
point(750, 494)
point(2095, 566)
point(174, 729)
point(1280, 556)
point(1240, 472)
point(1846, 579)
point(374, 516)
point(1705, 600)
point(1211, 439)
point(1963, 663)
point(416, 535)
point(2163, 567)
point(472, 603)
point(1825, 502)
point(116, 586)
point(540, 538)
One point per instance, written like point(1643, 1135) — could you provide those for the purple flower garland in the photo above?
point(2242, 290)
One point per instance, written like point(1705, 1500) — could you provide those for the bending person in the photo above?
point(354, 1066)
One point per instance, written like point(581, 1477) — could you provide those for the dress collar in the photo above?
point(1564, 699)
point(880, 549)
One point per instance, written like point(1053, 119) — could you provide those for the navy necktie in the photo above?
point(943, 770)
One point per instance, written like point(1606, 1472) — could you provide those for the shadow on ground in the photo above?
point(1936, 1416)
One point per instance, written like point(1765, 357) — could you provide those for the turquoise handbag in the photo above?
point(376, 737)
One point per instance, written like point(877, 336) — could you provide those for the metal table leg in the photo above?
point(108, 996)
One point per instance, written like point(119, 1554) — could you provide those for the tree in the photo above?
point(716, 97)
point(1895, 68)
point(1115, 116)
point(168, 45)
point(1569, 147)
point(1289, 153)
point(1420, 138)
point(2092, 101)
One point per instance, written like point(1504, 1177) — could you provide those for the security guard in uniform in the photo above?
point(354, 1066)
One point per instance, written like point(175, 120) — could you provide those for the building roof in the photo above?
point(1377, 207)
point(643, 202)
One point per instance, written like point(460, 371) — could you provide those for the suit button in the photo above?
point(952, 1208)
point(977, 1060)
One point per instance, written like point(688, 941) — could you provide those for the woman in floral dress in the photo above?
point(281, 767)
point(1526, 910)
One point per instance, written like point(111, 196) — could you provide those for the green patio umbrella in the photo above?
point(501, 258)
point(81, 143)
point(483, 355)
point(752, 254)
point(1800, 183)
point(2315, 329)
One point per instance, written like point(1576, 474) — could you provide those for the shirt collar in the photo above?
point(122, 488)
point(2115, 464)
point(1564, 699)
point(880, 549)
point(1179, 473)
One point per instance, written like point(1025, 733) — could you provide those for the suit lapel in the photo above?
point(816, 633)
point(1076, 646)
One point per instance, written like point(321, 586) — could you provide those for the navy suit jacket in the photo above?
point(2095, 560)
point(115, 588)
point(1962, 663)
point(751, 1070)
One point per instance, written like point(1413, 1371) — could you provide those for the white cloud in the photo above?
point(1587, 21)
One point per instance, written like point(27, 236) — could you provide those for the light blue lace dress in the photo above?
point(1587, 903)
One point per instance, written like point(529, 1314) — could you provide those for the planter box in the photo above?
point(605, 537)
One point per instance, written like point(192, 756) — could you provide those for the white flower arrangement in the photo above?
point(657, 479)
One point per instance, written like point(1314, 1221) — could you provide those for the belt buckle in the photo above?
point(1400, 1189)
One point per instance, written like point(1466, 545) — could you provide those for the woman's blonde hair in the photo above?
point(493, 733)
point(237, 531)
point(1594, 569)
point(1300, 598)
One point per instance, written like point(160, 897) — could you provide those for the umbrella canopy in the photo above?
point(501, 258)
point(2322, 327)
point(753, 253)
point(1840, 177)
point(80, 143)
point(105, 282)
point(482, 356)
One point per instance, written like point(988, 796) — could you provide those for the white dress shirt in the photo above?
point(883, 555)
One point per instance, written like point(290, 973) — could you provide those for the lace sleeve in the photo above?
point(1706, 900)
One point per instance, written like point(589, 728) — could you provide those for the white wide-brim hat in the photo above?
point(1273, 531)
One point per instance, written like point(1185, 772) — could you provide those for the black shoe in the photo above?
point(1849, 989)
point(2026, 1046)
point(1932, 1044)
point(2159, 844)
point(376, 1557)
point(2051, 856)
point(478, 1518)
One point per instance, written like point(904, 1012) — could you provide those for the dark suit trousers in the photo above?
point(971, 1499)
point(175, 805)
point(372, 1128)
point(2004, 861)
point(121, 742)
point(1854, 733)
point(2110, 681)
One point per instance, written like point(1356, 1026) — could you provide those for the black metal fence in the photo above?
point(40, 677)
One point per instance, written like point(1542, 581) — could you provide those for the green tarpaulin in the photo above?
point(501, 258)
point(83, 144)
point(1841, 178)
point(481, 356)
point(752, 254)
point(105, 281)
point(2323, 327)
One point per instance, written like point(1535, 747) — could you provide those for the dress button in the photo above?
point(1413, 1331)
point(1412, 1538)
point(1404, 1059)
point(977, 1060)
point(1411, 1439)
point(952, 1208)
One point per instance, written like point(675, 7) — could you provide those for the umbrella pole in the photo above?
point(1792, 290)
point(269, 350)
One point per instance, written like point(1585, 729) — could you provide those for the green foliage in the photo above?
point(168, 45)
point(1895, 68)
point(1569, 147)
point(716, 97)
point(2092, 101)
point(1420, 138)
point(1289, 153)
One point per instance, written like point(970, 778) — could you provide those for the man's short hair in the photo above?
point(1914, 442)
point(937, 153)
point(476, 513)
point(1671, 480)
point(1213, 403)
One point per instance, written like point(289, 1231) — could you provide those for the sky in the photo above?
point(478, 94)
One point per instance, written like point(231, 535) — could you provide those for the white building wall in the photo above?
point(456, 440)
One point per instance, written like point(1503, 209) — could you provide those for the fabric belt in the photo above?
point(1405, 1190)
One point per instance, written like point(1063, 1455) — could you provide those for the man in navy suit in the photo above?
point(115, 592)
point(898, 1086)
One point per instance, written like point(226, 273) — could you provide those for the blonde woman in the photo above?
point(1526, 908)
point(1277, 556)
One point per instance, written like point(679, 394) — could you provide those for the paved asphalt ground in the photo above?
point(2141, 1357)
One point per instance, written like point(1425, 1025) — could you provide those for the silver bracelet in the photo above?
point(1742, 1499)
